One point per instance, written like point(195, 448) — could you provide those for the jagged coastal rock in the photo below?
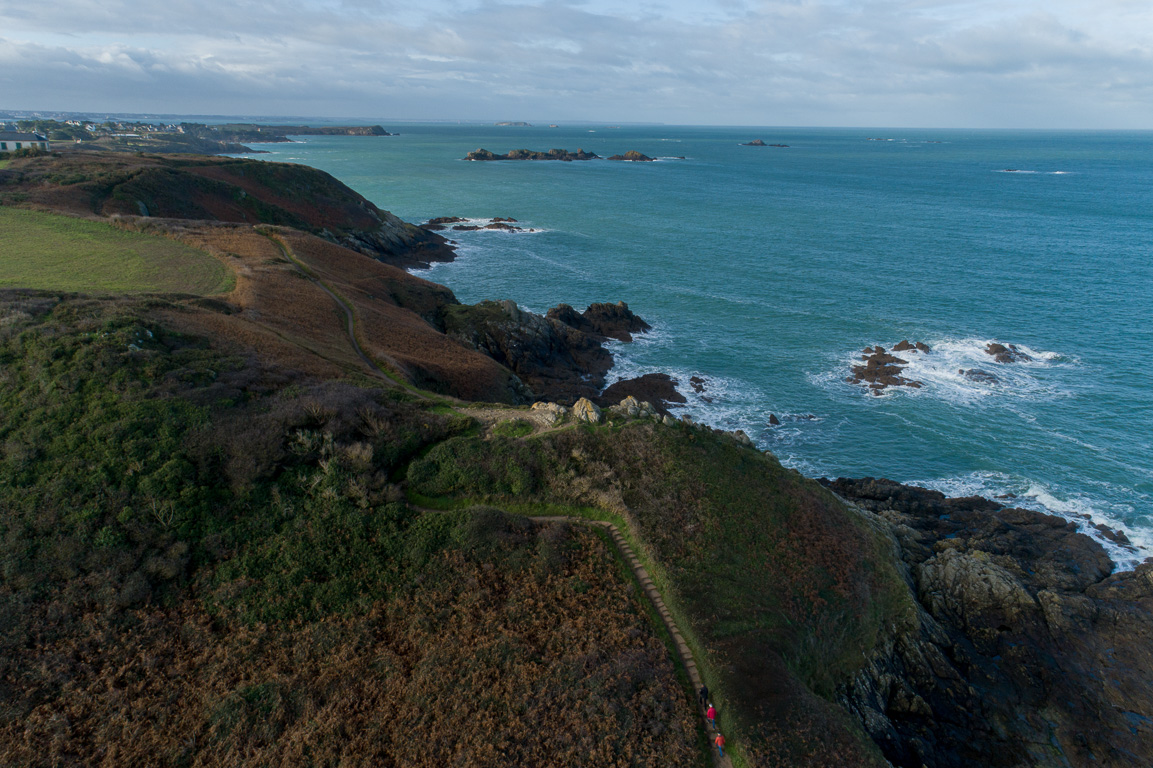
point(761, 143)
point(560, 357)
point(882, 370)
point(657, 388)
point(1020, 647)
point(614, 321)
point(1006, 353)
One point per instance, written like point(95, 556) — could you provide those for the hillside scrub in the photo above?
point(784, 589)
point(203, 561)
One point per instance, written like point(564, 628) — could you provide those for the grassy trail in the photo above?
point(654, 596)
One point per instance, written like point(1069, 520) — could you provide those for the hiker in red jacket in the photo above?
point(720, 742)
point(712, 717)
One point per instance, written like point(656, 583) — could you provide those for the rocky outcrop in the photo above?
point(396, 242)
point(905, 345)
point(585, 410)
point(882, 370)
point(528, 154)
point(657, 388)
point(555, 360)
point(1006, 353)
point(608, 321)
point(632, 156)
point(760, 143)
point(1019, 647)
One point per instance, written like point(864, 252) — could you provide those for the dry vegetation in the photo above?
point(783, 590)
point(523, 651)
point(204, 561)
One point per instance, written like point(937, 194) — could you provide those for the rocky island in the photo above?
point(528, 154)
point(632, 156)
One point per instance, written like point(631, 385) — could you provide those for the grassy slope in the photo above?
point(782, 591)
point(203, 562)
point(52, 252)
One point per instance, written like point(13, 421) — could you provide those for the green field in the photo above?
point(59, 253)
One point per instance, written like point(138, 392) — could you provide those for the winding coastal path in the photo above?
point(346, 307)
point(622, 546)
point(654, 596)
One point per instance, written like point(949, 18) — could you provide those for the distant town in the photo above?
point(45, 134)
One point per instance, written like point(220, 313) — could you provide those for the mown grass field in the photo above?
point(59, 253)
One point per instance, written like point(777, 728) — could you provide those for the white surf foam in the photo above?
point(940, 372)
point(522, 228)
point(1085, 512)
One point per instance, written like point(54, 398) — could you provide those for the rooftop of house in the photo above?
point(16, 136)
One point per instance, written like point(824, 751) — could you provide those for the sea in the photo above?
point(765, 271)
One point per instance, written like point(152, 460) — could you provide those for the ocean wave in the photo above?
point(962, 372)
point(522, 228)
point(1083, 511)
point(1034, 173)
point(725, 402)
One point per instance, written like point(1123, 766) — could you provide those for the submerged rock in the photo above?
point(976, 374)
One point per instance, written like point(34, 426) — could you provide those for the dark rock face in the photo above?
point(773, 420)
point(755, 143)
point(1006, 354)
point(697, 383)
point(632, 156)
point(1020, 648)
point(560, 357)
point(660, 389)
point(611, 321)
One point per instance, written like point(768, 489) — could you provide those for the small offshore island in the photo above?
point(557, 154)
point(273, 499)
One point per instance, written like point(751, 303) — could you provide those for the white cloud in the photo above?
point(1063, 63)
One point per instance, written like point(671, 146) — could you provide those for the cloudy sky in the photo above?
point(915, 63)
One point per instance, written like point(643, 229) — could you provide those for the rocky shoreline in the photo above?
point(1021, 646)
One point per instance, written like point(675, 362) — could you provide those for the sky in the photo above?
point(891, 63)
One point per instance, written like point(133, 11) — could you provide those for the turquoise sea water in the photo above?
point(767, 270)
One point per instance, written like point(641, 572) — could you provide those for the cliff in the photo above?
point(1025, 649)
point(225, 190)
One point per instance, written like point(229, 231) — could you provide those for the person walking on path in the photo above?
point(712, 717)
point(703, 695)
point(720, 742)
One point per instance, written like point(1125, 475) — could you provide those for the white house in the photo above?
point(10, 141)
